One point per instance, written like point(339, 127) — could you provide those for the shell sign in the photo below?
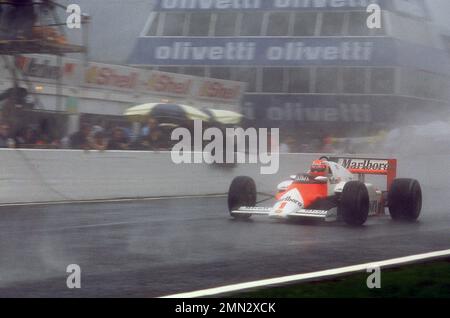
point(219, 90)
point(169, 84)
point(110, 77)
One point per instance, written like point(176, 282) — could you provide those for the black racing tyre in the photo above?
point(354, 203)
point(405, 200)
point(242, 192)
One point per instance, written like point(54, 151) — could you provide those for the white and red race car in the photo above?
point(333, 189)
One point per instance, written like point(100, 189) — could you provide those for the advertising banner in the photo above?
point(295, 110)
point(273, 51)
point(167, 84)
point(46, 70)
point(111, 77)
point(209, 88)
point(262, 51)
point(219, 5)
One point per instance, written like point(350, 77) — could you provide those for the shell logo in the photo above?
point(215, 89)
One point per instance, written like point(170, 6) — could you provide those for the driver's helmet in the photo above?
point(319, 168)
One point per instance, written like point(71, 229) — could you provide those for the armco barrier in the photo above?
point(67, 175)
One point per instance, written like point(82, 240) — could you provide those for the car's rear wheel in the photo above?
point(242, 192)
point(405, 200)
point(354, 203)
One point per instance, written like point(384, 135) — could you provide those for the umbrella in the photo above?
point(170, 111)
point(225, 117)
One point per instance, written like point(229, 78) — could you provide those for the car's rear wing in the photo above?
point(370, 166)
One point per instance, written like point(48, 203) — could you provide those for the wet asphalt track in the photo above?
point(156, 248)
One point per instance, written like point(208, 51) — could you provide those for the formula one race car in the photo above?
point(333, 189)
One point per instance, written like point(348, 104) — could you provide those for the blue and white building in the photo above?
point(308, 63)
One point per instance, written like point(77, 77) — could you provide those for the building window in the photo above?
point(382, 81)
point(358, 24)
point(273, 80)
point(278, 24)
point(226, 24)
point(251, 24)
point(174, 24)
point(223, 73)
point(199, 24)
point(333, 23)
point(327, 80)
point(382, 30)
point(353, 80)
point(305, 24)
point(246, 75)
point(299, 79)
point(153, 31)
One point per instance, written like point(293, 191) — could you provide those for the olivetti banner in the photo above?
point(273, 51)
point(295, 110)
point(410, 7)
point(262, 51)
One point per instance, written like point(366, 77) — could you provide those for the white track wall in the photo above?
point(68, 175)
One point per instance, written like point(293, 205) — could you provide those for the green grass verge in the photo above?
point(427, 280)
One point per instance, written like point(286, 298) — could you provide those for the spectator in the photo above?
point(6, 141)
point(99, 141)
point(155, 140)
point(97, 128)
point(119, 140)
point(64, 143)
point(152, 124)
point(81, 139)
point(45, 141)
point(27, 138)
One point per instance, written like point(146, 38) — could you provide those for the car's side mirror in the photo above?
point(321, 179)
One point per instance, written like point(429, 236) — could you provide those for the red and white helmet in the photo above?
point(319, 168)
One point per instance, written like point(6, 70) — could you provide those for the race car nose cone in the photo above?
point(290, 202)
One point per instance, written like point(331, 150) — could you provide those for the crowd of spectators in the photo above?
point(89, 137)
point(153, 136)
point(24, 138)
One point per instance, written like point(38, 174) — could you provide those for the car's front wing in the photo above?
point(326, 215)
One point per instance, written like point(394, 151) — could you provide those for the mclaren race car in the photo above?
point(333, 189)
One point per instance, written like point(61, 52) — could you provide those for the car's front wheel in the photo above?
point(354, 203)
point(242, 192)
